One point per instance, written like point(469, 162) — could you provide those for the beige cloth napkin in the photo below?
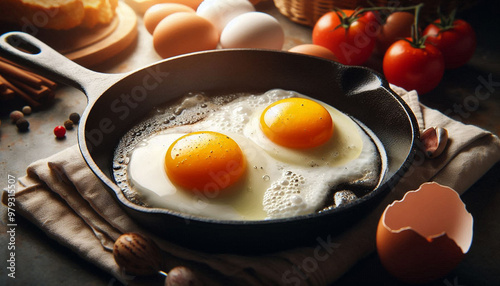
point(63, 197)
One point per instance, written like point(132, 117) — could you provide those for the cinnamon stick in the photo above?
point(20, 93)
point(19, 74)
point(37, 93)
point(2, 86)
point(45, 81)
point(9, 62)
point(7, 94)
point(16, 80)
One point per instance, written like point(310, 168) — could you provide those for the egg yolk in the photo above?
point(205, 161)
point(297, 123)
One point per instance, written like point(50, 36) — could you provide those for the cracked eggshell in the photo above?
point(425, 235)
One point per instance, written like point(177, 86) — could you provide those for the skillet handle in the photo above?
point(28, 51)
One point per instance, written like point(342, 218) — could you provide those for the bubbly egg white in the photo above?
point(279, 182)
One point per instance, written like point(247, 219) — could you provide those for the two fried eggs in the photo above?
point(245, 156)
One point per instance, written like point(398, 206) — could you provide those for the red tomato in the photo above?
point(396, 27)
point(352, 43)
point(457, 42)
point(374, 17)
point(412, 67)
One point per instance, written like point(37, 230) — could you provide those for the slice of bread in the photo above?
point(92, 8)
point(47, 14)
point(108, 12)
point(58, 14)
point(98, 12)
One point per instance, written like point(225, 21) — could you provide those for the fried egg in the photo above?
point(256, 157)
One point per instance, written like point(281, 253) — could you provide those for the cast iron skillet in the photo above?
point(117, 101)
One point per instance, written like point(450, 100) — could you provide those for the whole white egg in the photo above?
point(220, 12)
point(253, 30)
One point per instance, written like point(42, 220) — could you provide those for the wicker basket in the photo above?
point(307, 12)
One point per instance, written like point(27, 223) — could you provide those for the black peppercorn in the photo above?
point(68, 124)
point(75, 117)
point(22, 125)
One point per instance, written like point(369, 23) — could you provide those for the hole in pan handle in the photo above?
point(30, 52)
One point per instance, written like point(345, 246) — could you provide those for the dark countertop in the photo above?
point(42, 261)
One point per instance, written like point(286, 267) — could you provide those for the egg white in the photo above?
point(147, 175)
point(345, 144)
point(280, 182)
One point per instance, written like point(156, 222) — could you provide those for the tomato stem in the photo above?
point(416, 40)
point(345, 21)
point(446, 21)
point(385, 8)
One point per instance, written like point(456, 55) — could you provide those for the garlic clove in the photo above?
point(137, 254)
point(435, 140)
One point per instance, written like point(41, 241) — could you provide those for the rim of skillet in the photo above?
point(378, 191)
